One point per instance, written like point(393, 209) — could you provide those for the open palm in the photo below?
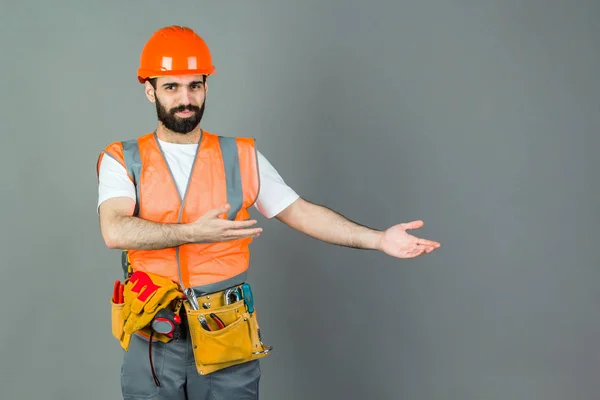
point(396, 242)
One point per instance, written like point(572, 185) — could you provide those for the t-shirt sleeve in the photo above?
point(113, 181)
point(274, 194)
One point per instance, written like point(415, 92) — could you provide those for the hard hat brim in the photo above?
point(145, 74)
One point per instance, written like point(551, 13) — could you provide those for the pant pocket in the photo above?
point(137, 381)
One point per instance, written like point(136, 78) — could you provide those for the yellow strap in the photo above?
point(178, 306)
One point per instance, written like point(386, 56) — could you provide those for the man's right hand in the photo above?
point(211, 228)
point(123, 231)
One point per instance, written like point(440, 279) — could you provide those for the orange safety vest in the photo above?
point(225, 170)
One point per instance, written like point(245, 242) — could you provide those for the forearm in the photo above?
point(330, 226)
point(126, 232)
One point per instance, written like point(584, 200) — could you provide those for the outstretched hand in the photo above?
point(396, 242)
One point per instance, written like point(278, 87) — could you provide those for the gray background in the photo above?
point(479, 117)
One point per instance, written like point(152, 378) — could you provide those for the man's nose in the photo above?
point(185, 97)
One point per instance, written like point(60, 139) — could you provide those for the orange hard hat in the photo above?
point(175, 50)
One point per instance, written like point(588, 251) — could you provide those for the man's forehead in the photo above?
point(181, 79)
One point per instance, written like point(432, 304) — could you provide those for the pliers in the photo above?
point(118, 289)
point(215, 318)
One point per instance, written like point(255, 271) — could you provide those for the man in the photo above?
point(177, 200)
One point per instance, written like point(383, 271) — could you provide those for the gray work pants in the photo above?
point(175, 369)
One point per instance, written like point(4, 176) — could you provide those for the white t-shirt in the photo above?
point(273, 197)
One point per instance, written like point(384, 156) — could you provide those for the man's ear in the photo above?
point(149, 90)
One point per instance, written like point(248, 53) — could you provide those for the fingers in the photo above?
point(417, 252)
point(210, 228)
point(240, 229)
point(214, 213)
point(413, 224)
point(428, 243)
point(425, 249)
point(243, 233)
point(239, 224)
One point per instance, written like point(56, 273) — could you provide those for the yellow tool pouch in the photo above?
point(116, 319)
point(124, 338)
point(238, 342)
point(144, 295)
point(118, 323)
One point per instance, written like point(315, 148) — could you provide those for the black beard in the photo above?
point(177, 124)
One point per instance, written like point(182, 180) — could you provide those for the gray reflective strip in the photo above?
point(233, 178)
point(133, 163)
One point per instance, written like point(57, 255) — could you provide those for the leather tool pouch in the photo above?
point(236, 343)
point(118, 324)
point(117, 320)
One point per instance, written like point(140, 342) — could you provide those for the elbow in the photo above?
point(112, 245)
point(109, 228)
point(111, 240)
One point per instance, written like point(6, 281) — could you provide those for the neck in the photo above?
point(168, 135)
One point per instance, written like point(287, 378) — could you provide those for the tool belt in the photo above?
point(222, 326)
point(224, 329)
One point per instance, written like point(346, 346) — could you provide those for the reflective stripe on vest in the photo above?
point(133, 164)
point(225, 169)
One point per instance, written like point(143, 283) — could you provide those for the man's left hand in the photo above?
point(396, 242)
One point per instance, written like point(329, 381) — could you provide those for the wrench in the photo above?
point(191, 296)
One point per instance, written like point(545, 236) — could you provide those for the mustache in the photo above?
point(182, 107)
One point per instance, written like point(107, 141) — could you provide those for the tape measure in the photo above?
point(166, 322)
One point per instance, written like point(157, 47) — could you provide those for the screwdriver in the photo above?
point(248, 299)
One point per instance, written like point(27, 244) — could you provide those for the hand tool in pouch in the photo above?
point(215, 318)
point(193, 300)
point(118, 292)
point(191, 296)
point(232, 295)
point(247, 296)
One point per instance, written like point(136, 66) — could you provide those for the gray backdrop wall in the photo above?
point(481, 118)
